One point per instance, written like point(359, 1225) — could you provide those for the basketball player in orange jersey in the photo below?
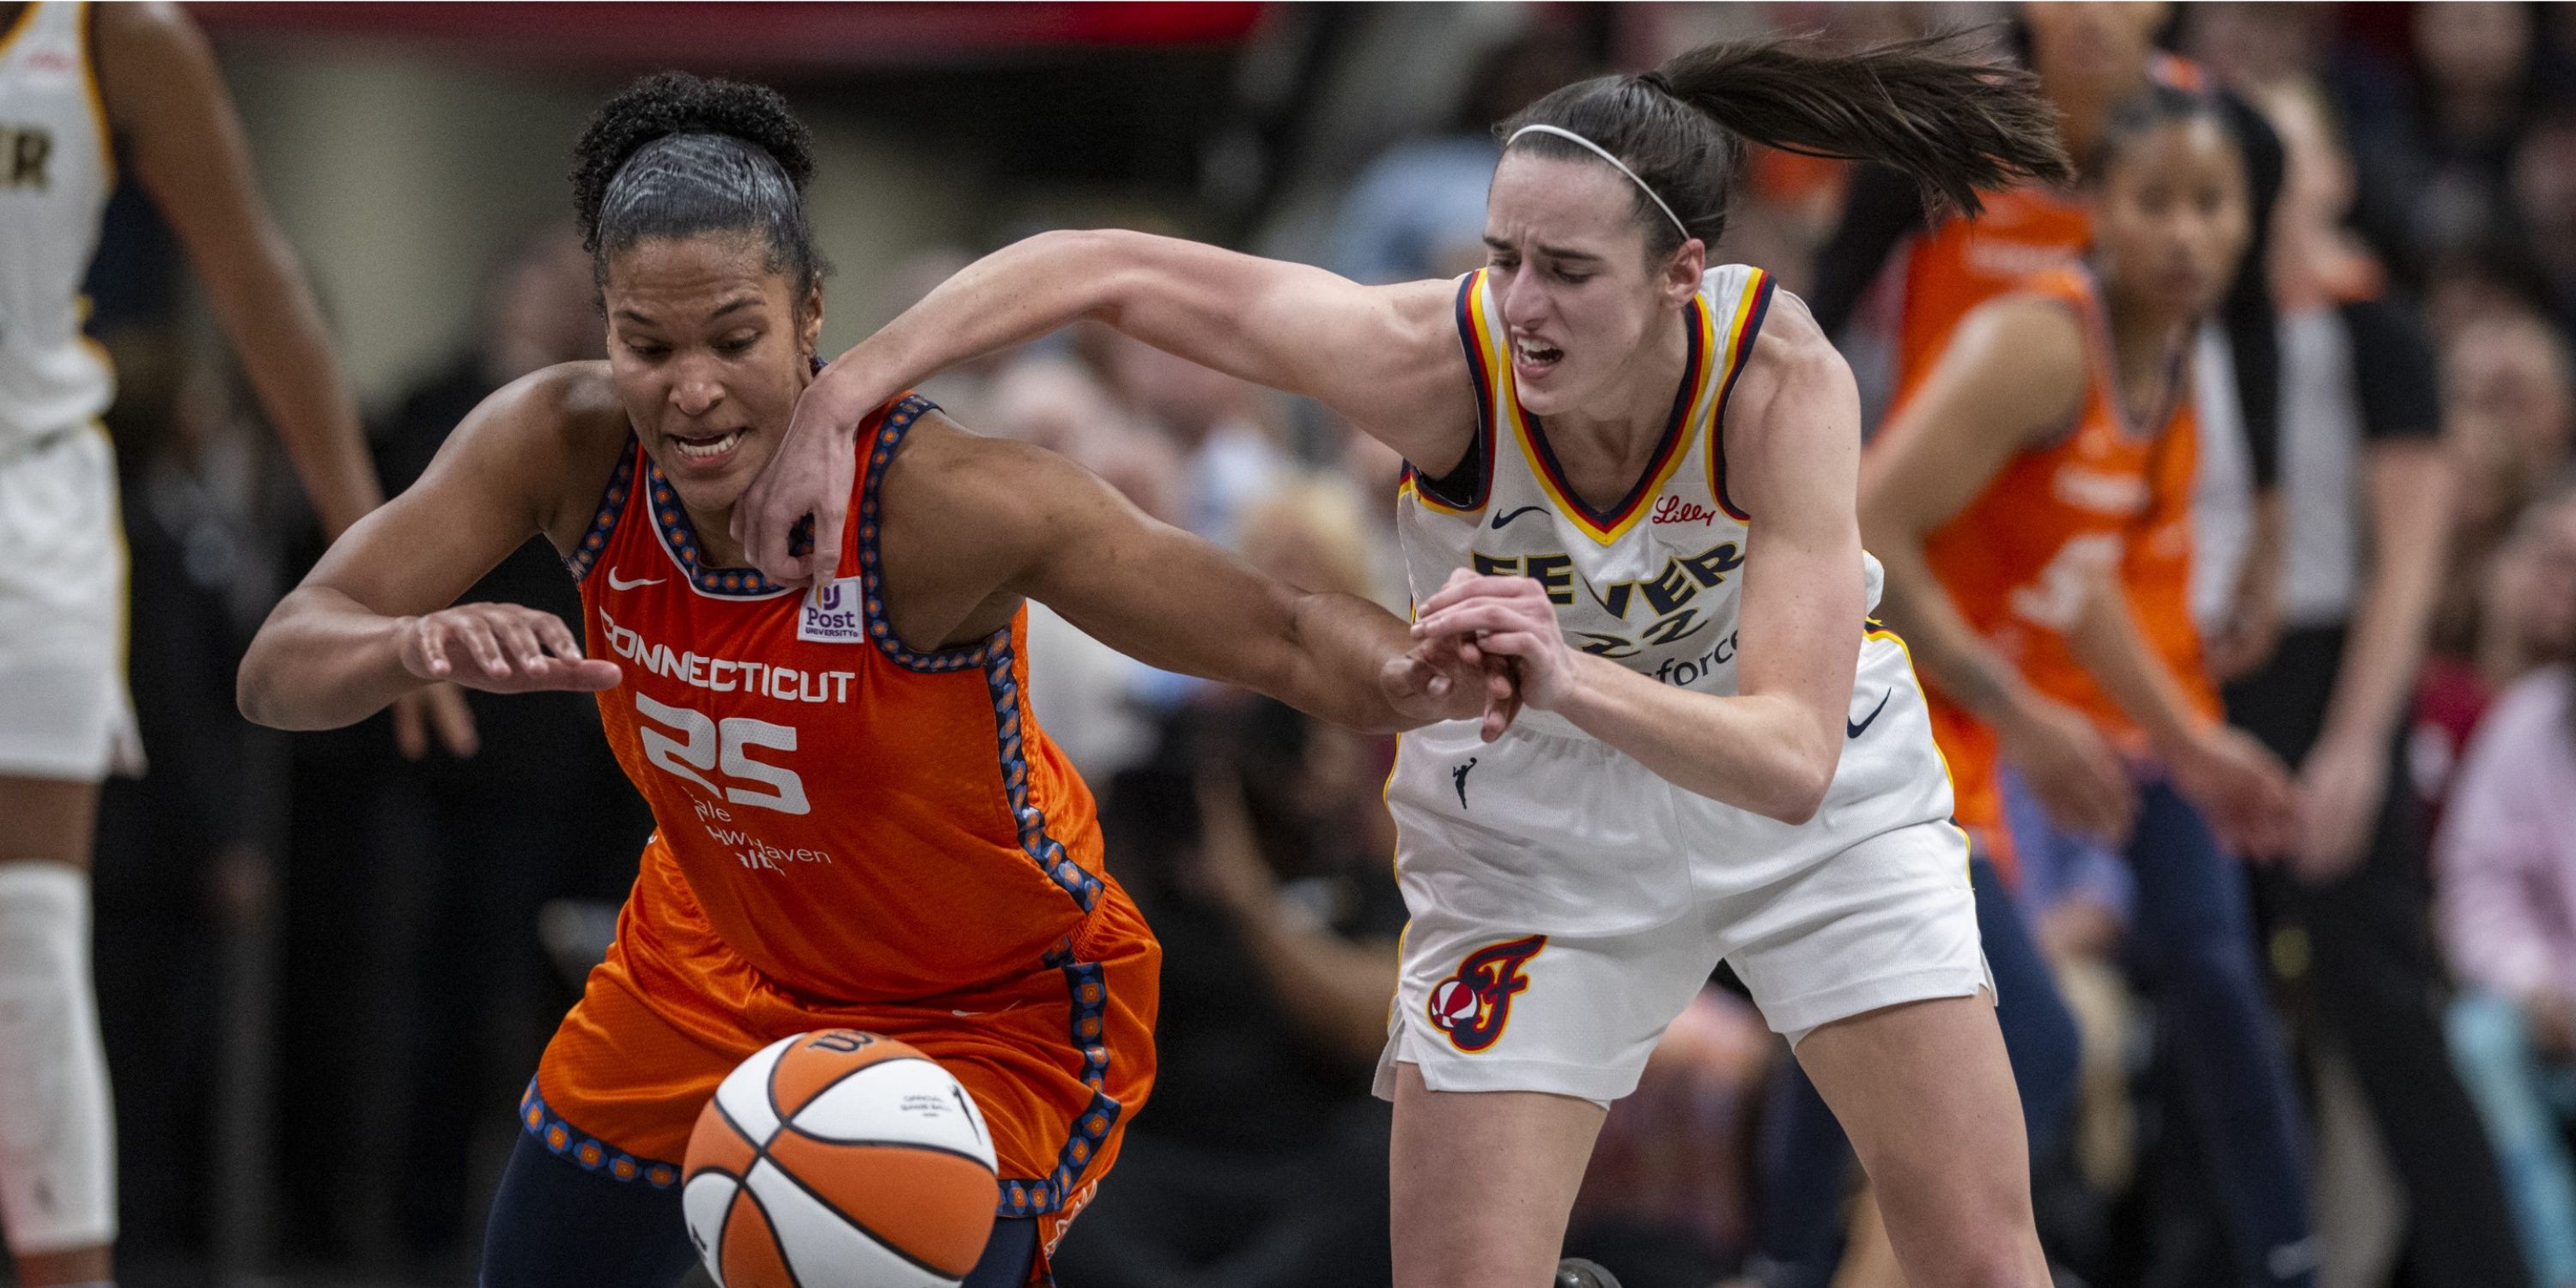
point(2089, 57)
point(2024, 500)
point(83, 90)
point(1633, 474)
point(859, 823)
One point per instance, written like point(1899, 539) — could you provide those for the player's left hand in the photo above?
point(1507, 619)
point(2342, 784)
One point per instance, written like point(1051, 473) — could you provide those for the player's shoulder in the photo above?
point(551, 437)
point(2037, 328)
point(946, 467)
point(570, 410)
point(1791, 349)
point(1429, 306)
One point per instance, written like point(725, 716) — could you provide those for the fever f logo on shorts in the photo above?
point(1473, 1005)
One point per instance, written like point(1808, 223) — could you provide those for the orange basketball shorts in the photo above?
point(1059, 1059)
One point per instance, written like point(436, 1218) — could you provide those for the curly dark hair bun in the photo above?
point(668, 103)
point(674, 155)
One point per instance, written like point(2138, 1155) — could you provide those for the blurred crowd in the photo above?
point(429, 898)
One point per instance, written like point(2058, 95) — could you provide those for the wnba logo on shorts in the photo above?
point(1473, 1005)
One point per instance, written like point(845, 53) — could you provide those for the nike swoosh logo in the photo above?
point(1856, 730)
point(1501, 519)
point(617, 583)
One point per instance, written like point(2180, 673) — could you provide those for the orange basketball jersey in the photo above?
point(849, 833)
point(855, 818)
point(2017, 559)
point(1961, 263)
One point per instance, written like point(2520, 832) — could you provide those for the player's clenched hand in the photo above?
point(1505, 619)
point(1432, 682)
point(789, 520)
point(501, 648)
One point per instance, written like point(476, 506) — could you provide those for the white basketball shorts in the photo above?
point(64, 711)
point(1568, 903)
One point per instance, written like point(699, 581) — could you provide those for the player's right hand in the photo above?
point(2241, 788)
point(2071, 768)
point(501, 648)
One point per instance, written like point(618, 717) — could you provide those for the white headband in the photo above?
point(1604, 154)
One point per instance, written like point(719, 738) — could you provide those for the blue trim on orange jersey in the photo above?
point(680, 538)
point(592, 1153)
point(1090, 990)
point(612, 503)
point(1044, 850)
point(889, 436)
point(1717, 421)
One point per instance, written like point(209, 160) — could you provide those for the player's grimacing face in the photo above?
point(2170, 218)
point(708, 353)
point(1567, 261)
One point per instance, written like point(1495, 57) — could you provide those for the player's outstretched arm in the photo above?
point(2014, 372)
point(1047, 529)
point(178, 128)
point(1386, 358)
point(374, 621)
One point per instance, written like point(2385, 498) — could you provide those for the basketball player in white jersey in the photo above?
point(81, 88)
point(1634, 476)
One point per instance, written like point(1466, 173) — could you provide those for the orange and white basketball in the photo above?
point(839, 1159)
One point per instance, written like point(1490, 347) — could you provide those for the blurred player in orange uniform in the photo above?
point(860, 824)
point(2031, 505)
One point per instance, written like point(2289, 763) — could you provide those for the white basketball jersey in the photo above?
point(55, 174)
point(1654, 582)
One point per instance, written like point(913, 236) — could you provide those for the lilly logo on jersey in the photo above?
point(1673, 509)
point(831, 614)
point(1473, 1005)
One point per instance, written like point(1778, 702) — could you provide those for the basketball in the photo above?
point(839, 1159)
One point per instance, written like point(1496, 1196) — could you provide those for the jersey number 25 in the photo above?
point(705, 745)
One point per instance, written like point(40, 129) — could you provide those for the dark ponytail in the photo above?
point(1927, 107)
point(675, 156)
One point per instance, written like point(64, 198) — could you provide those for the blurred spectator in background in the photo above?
point(2479, 77)
point(2544, 202)
point(2509, 640)
point(177, 847)
point(1230, 455)
point(1256, 843)
point(2510, 389)
point(2368, 491)
point(1418, 211)
point(418, 992)
point(2508, 864)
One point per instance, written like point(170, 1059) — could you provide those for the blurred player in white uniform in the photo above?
point(82, 88)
